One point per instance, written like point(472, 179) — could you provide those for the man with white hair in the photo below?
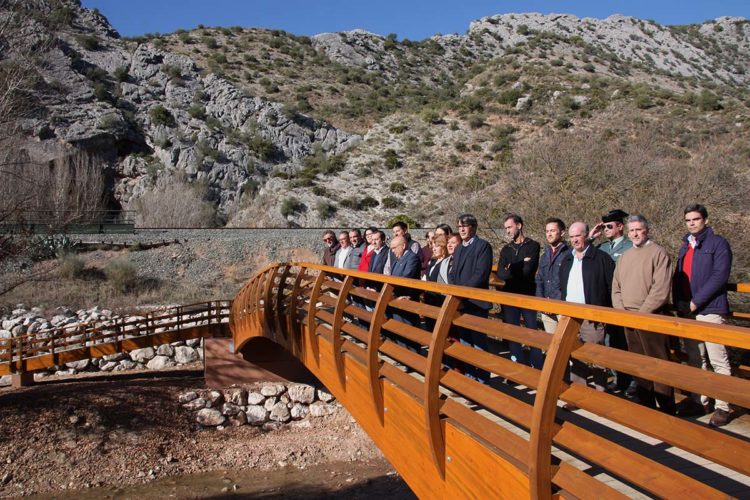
point(586, 278)
point(642, 282)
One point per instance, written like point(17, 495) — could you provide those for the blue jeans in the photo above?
point(512, 316)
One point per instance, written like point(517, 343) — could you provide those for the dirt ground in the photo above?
point(126, 436)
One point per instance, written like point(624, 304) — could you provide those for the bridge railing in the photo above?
point(356, 313)
point(16, 352)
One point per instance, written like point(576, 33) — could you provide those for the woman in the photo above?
point(437, 271)
point(443, 229)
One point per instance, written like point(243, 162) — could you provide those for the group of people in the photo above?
point(627, 270)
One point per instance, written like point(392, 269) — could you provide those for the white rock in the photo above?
point(320, 409)
point(255, 398)
point(165, 350)
point(256, 415)
point(269, 403)
point(159, 363)
point(108, 366)
point(239, 419)
point(184, 355)
point(142, 355)
point(299, 411)
point(523, 103)
point(214, 399)
point(118, 356)
point(193, 342)
point(230, 409)
point(272, 389)
point(125, 364)
point(186, 397)
point(325, 396)
point(79, 365)
point(301, 393)
point(5, 380)
point(195, 404)
point(210, 417)
point(280, 413)
point(237, 396)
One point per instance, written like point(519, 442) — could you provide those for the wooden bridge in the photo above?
point(22, 355)
point(447, 434)
point(450, 436)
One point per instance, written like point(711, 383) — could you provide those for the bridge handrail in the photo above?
point(300, 304)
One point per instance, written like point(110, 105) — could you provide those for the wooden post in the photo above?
point(545, 407)
point(279, 316)
point(311, 324)
point(338, 322)
point(293, 315)
point(373, 348)
point(433, 374)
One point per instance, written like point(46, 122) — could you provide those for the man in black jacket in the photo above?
point(517, 267)
point(586, 278)
point(472, 265)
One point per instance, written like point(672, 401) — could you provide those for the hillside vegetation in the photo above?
point(539, 114)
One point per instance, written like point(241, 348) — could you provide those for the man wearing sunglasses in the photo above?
point(614, 230)
point(331, 247)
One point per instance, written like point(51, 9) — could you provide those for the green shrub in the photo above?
point(411, 223)
point(197, 111)
point(263, 148)
point(589, 67)
point(172, 71)
point(523, 30)
point(509, 96)
point(71, 266)
point(391, 202)
point(708, 101)
point(391, 159)
point(476, 121)
point(291, 206)
point(101, 93)
point(162, 116)
point(563, 122)
point(88, 42)
point(210, 42)
point(325, 209)
point(121, 74)
point(121, 274)
point(398, 187)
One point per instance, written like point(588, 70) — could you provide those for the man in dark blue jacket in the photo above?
point(472, 265)
point(404, 264)
point(548, 274)
point(699, 290)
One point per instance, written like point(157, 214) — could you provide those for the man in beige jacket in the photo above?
point(642, 282)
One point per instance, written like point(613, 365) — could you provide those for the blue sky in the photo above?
point(413, 19)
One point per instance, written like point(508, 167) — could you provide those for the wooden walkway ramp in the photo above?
point(45, 349)
point(450, 436)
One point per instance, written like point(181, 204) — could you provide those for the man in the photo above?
point(614, 230)
point(548, 275)
point(642, 281)
point(519, 260)
point(400, 229)
point(471, 266)
point(358, 247)
point(699, 291)
point(586, 278)
point(342, 259)
point(331, 247)
point(377, 259)
point(405, 264)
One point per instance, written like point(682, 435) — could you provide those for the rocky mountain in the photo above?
point(355, 128)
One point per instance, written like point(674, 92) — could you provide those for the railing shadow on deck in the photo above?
point(450, 435)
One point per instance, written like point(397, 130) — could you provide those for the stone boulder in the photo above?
point(209, 417)
point(272, 389)
point(301, 393)
point(320, 409)
point(184, 355)
point(142, 355)
point(279, 413)
point(159, 363)
point(256, 414)
point(255, 398)
point(236, 396)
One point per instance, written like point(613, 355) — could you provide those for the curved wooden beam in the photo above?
point(279, 317)
point(338, 322)
point(293, 316)
point(541, 430)
point(373, 347)
point(268, 301)
point(433, 374)
point(311, 330)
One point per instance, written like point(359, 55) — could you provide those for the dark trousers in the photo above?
point(410, 319)
point(616, 339)
point(512, 316)
point(474, 339)
point(654, 345)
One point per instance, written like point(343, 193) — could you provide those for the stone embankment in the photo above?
point(32, 321)
point(268, 405)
